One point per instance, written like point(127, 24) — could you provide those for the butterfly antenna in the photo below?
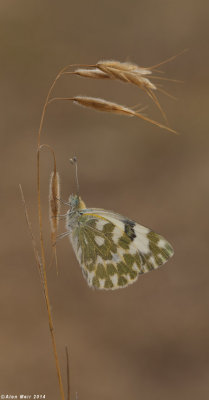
point(74, 162)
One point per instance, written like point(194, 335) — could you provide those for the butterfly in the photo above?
point(111, 249)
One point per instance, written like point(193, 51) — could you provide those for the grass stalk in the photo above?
point(43, 259)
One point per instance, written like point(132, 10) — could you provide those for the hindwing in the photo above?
point(113, 250)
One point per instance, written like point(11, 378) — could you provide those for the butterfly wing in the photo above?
point(113, 250)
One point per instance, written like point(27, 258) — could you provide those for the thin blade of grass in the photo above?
point(168, 59)
point(67, 372)
point(154, 98)
point(35, 248)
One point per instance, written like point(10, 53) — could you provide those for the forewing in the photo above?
point(113, 250)
point(154, 250)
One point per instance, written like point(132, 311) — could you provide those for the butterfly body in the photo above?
point(111, 249)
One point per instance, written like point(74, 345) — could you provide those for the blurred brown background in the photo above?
point(149, 341)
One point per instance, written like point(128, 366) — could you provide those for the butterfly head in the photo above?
point(76, 203)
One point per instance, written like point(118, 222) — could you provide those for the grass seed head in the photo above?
point(107, 106)
point(95, 73)
point(124, 66)
point(129, 73)
point(54, 204)
point(103, 105)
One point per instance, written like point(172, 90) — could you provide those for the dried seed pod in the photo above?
point(130, 77)
point(139, 81)
point(103, 105)
point(123, 66)
point(131, 73)
point(107, 106)
point(115, 73)
point(54, 209)
point(91, 73)
point(54, 204)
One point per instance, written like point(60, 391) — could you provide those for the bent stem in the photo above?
point(46, 291)
point(68, 372)
point(43, 259)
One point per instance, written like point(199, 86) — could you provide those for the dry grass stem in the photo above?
point(35, 249)
point(168, 59)
point(43, 278)
point(167, 94)
point(46, 291)
point(68, 372)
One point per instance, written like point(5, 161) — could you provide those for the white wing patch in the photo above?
point(99, 240)
point(114, 279)
point(100, 223)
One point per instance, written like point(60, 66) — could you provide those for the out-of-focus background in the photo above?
point(150, 340)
